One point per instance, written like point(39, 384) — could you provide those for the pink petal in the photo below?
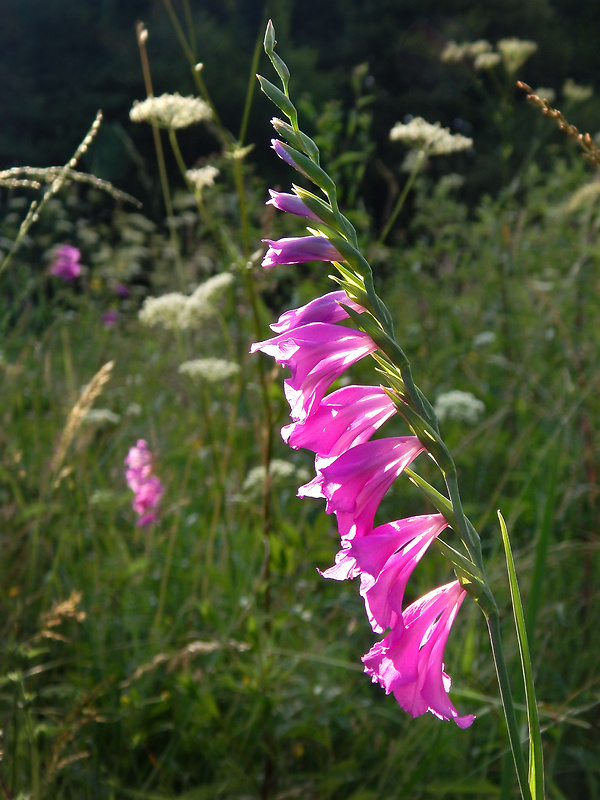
point(323, 309)
point(343, 419)
point(408, 661)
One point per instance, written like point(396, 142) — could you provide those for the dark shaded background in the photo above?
point(60, 61)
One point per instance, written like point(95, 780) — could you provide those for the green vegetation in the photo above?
point(204, 656)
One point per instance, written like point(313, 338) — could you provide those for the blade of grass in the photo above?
point(536, 756)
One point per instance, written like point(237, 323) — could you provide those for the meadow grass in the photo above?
point(204, 656)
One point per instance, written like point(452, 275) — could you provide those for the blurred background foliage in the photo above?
point(62, 61)
point(190, 660)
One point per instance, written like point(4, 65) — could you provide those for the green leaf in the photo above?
point(536, 754)
point(276, 96)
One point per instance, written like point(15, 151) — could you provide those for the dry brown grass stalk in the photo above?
point(77, 413)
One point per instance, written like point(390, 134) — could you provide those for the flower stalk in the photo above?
point(354, 470)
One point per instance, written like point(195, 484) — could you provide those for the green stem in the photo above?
point(160, 157)
point(401, 200)
point(35, 756)
point(493, 623)
point(177, 153)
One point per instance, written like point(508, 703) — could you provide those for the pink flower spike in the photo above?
point(409, 660)
point(355, 482)
point(147, 499)
point(147, 488)
point(324, 309)
point(297, 249)
point(139, 456)
point(317, 354)
point(368, 555)
point(290, 203)
point(343, 419)
point(65, 264)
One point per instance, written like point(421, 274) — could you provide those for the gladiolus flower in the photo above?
point(409, 660)
point(290, 203)
point(317, 354)
point(384, 549)
point(147, 488)
point(285, 156)
point(323, 309)
point(298, 249)
point(343, 419)
point(354, 483)
point(65, 264)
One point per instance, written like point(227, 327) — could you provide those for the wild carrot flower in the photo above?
point(170, 111)
point(65, 264)
point(147, 488)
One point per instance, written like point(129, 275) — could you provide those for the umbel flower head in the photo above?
point(170, 111)
point(433, 139)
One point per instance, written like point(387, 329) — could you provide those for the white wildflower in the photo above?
point(164, 311)
point(546, 93)
point(280, 472)
point(101, 416)
point(176, 311)
point(576, 93)
point(478, 48)
point(211, 370)
point(483, 338)
point(453, 52)
point(515, 52)
point(459, 406)
point(433, 139)
point(170, 111)
point(133, 410)
point(486, 61)
point(202, 176)
point(213, 288)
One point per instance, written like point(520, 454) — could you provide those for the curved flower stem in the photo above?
point(493, 623)
point(402, 199)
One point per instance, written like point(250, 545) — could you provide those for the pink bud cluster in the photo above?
point(353, 473)
point(147, 487)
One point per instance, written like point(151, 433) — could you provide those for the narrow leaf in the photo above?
point(536, 754)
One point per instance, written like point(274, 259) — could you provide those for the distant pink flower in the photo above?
point(147, 499)
point(290, 203)
point(298, 249)
point(147, 488)
point(343, 419)
point(110, 318)
point(65, 263)
point(323, 309)
point(355, 482)
point(316, 354)
point(122, 290)
point(409, 660)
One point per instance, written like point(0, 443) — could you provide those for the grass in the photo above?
point(204, 656)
